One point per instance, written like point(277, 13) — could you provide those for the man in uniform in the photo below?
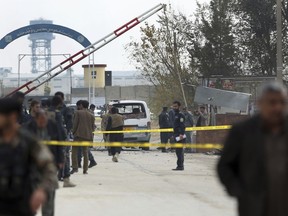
point(27, 169)
point(179, 134)
point(115, 123)
point(164, 122)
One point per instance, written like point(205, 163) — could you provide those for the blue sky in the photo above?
point(93, 18)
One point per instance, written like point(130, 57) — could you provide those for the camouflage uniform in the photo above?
point(26, 165)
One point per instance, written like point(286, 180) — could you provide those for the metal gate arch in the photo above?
point(40, 28)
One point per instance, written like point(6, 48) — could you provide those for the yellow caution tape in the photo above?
point(129, 145)
point(207, 128)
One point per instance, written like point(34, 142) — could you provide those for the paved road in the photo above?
point(143, 184)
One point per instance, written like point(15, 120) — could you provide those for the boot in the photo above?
point(68, 183)
point(74, 171)
point(92, 164)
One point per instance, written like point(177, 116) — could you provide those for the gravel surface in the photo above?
point(143, 184)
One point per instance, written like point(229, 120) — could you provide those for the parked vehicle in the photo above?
point(136, 117)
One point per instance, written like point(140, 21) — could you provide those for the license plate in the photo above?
point(129, 128)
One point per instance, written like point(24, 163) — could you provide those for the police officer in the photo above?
point(164, 122)
point(27, 169)
point(179, 134)
point(115, 123)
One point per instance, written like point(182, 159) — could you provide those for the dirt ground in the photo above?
point(143, 184)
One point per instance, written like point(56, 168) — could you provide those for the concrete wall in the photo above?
point(116, 92)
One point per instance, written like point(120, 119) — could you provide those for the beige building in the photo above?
point(94, 75)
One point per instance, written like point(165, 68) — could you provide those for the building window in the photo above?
point(93, 74)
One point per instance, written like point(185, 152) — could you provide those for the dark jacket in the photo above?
point(54, 133)
point(115, 123)
point(68, 117)
point(164, 120)
point(179, 124)
point(242, 166)
point(188, 119)
point(30, 164)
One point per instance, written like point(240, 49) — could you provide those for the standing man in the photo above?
point(104, 123)
point(203, 117)
point(179, 134)
point(92, 161)
point(54, 114)
point(254, 163)
point(115, 123)
point(164, 122)
point(35, 106)
point(188, 123)
point(20, 97)
point(45, 129)
point(83, 128)
point(27, 169)
point(92, 108)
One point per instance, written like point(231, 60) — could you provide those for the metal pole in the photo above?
point(19, 71)
point(279, 42)
point(177, 70)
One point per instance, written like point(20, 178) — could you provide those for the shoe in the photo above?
point(92, 164)
point(164, 151)
point(178, 169)
point(74, 171)
point(68, 183)
point(115, 159)
point(85, 173)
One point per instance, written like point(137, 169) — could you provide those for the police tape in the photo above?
point(167, 130)
point(133, 145)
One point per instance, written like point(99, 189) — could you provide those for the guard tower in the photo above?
point(41, 48)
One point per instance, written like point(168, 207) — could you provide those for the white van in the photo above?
point(136, 117)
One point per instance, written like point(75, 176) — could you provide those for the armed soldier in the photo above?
point(27, 169)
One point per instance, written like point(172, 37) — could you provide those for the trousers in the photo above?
point(48, 209)
point(75, 155)
point(180, 155)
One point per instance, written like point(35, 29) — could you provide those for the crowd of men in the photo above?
point(29, 170)
point(253, 165)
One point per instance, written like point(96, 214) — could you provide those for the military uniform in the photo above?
point(25, 165)
point(179, 129)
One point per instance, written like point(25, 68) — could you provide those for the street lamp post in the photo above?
point(177, 69)
point(279, 42)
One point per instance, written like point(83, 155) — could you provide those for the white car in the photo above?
point(136, 117)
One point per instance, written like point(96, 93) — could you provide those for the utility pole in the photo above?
point(279, 42)
point(177, 68)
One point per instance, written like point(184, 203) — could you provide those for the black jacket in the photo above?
point(242, 166)
point(55, 134)
point(179, 124)
point(164, 120)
